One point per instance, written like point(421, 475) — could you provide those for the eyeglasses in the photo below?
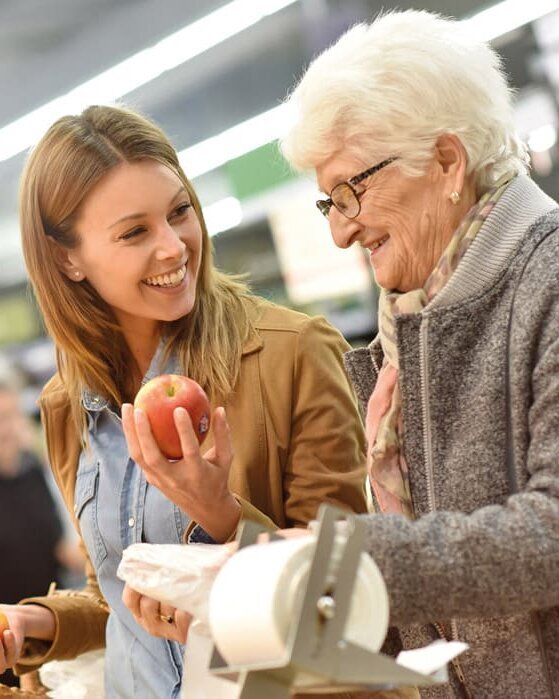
point(345, 198)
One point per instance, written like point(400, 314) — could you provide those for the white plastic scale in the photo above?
point(317, 657)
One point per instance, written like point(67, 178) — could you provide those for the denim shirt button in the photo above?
point(131, 522)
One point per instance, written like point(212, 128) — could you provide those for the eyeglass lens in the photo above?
point(324, 206)
point(345, 200)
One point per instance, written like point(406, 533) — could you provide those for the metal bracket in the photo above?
point(316, 653)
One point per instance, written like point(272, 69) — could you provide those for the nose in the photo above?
point(344, 230)
point(168, 242)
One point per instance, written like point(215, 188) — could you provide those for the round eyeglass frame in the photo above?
point(324, 205)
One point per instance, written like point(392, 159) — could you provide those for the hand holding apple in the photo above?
point(198, 484)
point(159, 397)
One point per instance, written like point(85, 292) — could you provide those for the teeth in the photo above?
point(378, 243)
point(172, 279)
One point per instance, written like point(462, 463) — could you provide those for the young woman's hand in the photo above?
point(156, 618)
point(197, 484)
point(25, 620)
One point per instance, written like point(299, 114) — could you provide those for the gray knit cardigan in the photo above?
point(482, 557)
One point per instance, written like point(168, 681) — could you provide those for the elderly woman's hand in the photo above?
point(197, 484)
point(156, 618)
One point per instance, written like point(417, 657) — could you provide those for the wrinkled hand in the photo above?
point(197, 484)
point(156, 618)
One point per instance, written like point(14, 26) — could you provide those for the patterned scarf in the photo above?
point(388, 471)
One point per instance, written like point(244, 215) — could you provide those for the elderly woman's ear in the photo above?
point(450, 161)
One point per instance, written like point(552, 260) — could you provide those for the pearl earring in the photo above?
point(77, 274)
point(454, 197)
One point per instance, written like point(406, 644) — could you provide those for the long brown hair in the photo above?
point(75, 153)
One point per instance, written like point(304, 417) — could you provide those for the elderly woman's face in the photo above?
point(405, 222)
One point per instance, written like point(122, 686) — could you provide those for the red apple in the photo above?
point(159, 397)
point(4, 625)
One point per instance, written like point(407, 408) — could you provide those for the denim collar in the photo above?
point(95, 403)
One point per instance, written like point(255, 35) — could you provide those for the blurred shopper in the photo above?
point(31, 536)
point(121, 263)
point(408, 124)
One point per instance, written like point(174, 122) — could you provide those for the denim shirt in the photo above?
point(116, 507)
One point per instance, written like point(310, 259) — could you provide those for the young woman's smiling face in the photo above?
point(139, 246)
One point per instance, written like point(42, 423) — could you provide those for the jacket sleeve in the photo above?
point(326, 461)
point(318, 439)
point(80, 615)
point(248, 512)
point(502, 558)
point(80, 619)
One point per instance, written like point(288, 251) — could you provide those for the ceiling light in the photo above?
point(505, 16)
point(170, 52)
point(542, 139)
point(234, 142)
point(223, 215)
point(264, 128)
point(139, 69)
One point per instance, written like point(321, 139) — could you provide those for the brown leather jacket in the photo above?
point(297, 437)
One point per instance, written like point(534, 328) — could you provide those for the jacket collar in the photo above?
point(254, 341)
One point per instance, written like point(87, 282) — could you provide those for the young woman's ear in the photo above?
point(65, 261)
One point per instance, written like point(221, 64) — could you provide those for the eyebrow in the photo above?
point(141, 214)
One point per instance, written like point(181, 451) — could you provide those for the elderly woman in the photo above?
point(408, 124)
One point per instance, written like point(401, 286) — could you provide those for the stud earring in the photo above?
point(454, 197)
point(77, 274)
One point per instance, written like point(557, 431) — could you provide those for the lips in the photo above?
point(373, 247)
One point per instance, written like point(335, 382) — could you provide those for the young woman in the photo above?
point(121, 264)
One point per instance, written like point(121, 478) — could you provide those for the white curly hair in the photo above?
point(392, 87)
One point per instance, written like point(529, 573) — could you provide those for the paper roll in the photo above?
point(257, 593)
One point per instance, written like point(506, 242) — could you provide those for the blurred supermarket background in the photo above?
point(213, 74)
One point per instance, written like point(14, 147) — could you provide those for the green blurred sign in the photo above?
point(257, 171)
